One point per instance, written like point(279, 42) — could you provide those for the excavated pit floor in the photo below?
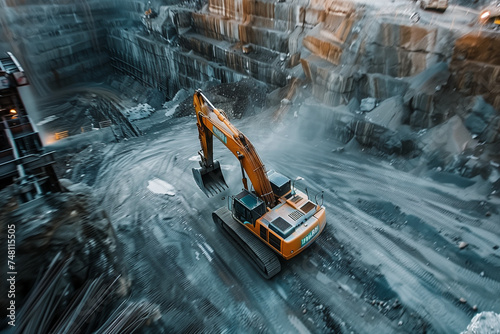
point(388, 261)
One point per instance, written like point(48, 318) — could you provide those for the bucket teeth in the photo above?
point(210, 179)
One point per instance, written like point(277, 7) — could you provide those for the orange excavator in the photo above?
point(273, 218)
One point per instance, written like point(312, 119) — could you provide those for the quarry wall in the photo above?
point(341, 51)
point(336, 45)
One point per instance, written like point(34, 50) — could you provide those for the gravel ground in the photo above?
point(401, 253)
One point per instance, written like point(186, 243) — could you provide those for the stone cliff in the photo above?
point(59, 43)
point(341, 51)
point(344, 48)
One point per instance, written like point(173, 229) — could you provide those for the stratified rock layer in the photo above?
point(476, 66)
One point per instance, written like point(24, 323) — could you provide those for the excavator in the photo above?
point(273, 219)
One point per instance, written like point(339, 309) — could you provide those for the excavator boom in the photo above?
point(209, 178)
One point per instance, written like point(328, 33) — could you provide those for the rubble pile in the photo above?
point(70, 224)
point(245, 97)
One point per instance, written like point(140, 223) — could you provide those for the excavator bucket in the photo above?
point(210, 179)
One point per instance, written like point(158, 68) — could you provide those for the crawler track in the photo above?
point(263, 258)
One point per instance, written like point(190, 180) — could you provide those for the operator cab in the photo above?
point(247, 207)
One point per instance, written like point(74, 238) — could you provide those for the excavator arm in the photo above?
point(212, 121)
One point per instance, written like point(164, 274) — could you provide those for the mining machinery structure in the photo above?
point(23, 160)
point(273, 218)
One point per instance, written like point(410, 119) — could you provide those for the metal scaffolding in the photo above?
point(23, 161)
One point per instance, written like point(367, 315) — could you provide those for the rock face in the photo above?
point(402, 50)
point(341, 51)
point(370, 57)
point(476, 66)
point(423, 93)
point(224, 42)
point(59, 43)
point(171, 69)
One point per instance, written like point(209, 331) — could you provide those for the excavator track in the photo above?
point(263, 258)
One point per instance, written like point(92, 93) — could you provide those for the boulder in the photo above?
point(390, 113)
point(484, 322)
point(483, 120)
point(444, 142)
point(368, 104)
point(421, 93)
point(373, 135)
